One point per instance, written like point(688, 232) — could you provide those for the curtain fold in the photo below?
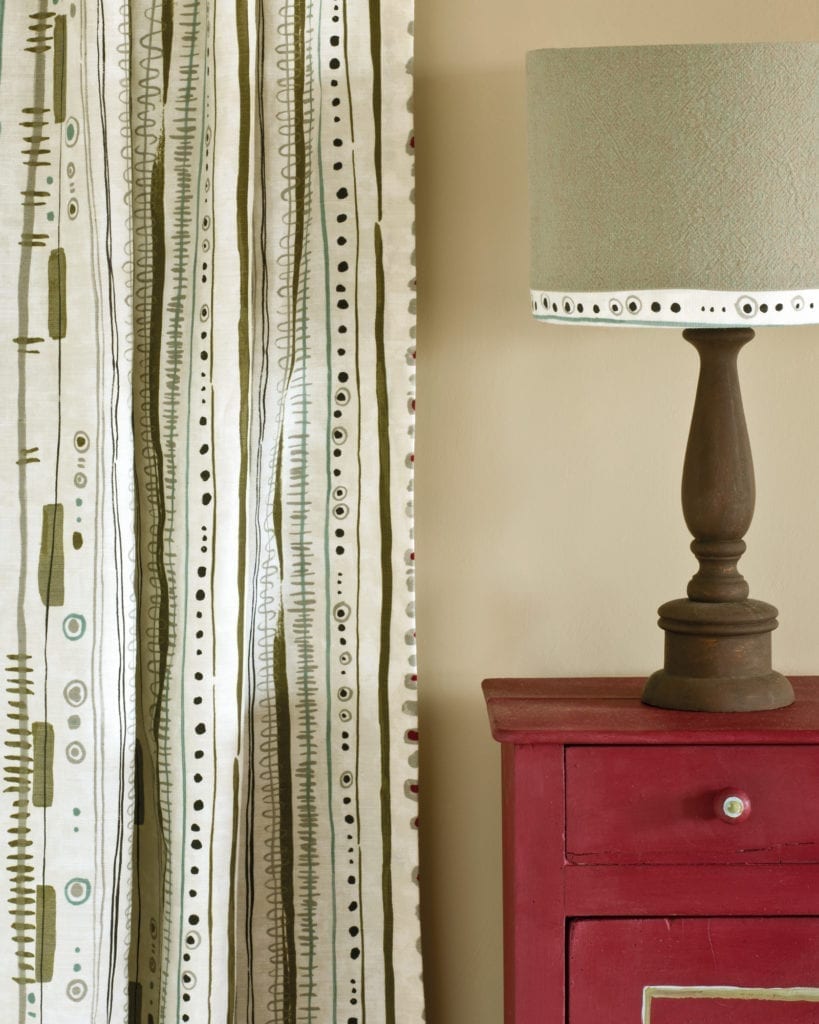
point(208, 373)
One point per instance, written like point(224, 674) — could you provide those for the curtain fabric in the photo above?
point(207, 371)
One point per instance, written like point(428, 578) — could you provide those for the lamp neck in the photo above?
point(718, 491)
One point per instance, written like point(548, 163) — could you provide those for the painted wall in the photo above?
point(548, 459)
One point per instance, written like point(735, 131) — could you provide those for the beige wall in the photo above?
point(548, 458)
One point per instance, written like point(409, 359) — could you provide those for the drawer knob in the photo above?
point(732, 805)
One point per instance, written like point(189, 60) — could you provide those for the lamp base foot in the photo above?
point(718, 658)
point(686, 693)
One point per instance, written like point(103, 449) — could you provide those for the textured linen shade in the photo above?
point(675, 185)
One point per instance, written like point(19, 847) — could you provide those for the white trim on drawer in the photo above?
point(765, 995)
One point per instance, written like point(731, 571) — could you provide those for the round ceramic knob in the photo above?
point(732, 805)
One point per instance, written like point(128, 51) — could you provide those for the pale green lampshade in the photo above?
point(675, 185)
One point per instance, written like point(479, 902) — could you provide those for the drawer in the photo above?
point(644, 805)
point(681, 970)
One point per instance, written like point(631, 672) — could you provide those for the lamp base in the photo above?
point(718, 658)
point(685, 693)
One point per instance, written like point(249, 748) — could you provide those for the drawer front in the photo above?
point(666, 805)
point(678, 970)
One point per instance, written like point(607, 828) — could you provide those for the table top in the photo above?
point(609, 710)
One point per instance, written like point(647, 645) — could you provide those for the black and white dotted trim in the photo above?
point(683, 308)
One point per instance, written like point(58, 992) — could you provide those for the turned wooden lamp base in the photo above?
point(709, 672)
point(718, 658)
point(717, 641)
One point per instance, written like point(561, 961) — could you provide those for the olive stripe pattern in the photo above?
point(209, 720)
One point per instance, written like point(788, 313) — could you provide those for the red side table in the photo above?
point(660, 867)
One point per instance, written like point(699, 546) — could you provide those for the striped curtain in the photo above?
point(207, 373)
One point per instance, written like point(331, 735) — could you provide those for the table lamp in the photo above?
point(676, 186)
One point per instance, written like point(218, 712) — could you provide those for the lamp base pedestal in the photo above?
point(718, 640)
point(718, 658)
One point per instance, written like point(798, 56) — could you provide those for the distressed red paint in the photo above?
point(609, 816)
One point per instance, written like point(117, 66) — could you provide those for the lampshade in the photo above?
point(675, 186)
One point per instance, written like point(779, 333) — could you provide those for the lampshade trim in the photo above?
point(678, 308)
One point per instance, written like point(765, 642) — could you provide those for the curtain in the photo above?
point(207, 372)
